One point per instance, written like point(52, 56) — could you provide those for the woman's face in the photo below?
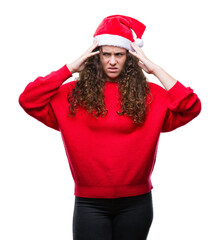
point(112, 59)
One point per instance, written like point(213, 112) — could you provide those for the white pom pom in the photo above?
point(139, 42)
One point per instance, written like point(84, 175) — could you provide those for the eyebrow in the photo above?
point(114, 53)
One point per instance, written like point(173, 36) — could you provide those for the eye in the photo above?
point(119, 54)
point(106, 54)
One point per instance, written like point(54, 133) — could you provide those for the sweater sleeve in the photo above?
point(183, 106)
point(36, 97)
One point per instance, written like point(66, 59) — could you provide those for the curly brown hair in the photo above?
point(132, 83)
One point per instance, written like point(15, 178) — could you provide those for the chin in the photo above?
point(113, 76)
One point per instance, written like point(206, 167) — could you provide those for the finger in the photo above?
point(90, 52)
point(137, 55)
point(140, 64)
point(88, 55)
point(94, 53)
point(93, 46)
point(134, 46)
point(133, 53)
point(137, 49)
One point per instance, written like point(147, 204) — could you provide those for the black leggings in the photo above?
point(127, 218)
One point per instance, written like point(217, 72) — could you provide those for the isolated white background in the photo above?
point(36, 186)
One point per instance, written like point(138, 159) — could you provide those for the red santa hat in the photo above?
point(116, 30)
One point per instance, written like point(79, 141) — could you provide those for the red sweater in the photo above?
point(109, 157)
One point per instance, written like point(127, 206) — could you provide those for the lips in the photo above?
point(112, 69)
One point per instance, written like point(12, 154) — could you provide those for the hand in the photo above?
point(144, 63)
point(79, 64)
point(149, 67)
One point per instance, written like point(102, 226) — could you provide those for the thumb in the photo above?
point(143, 66)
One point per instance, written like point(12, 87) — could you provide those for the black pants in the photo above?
point(127, 218)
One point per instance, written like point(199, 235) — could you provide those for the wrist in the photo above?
point(167, 81)
point(70, 67)
point(156, 70)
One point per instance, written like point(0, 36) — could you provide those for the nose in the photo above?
point(112, 60)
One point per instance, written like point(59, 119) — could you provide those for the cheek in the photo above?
point(123, 62)
point(103, 62)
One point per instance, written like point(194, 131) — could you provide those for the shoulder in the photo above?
point(64, 90)
point(157, 90)
point(66, 87)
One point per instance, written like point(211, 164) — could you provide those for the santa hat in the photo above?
point(116, 30)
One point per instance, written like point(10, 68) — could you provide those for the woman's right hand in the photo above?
point(79, 64)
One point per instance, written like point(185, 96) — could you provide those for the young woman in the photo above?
point(110, 120)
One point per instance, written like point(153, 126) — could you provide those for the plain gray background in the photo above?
point(37, 189)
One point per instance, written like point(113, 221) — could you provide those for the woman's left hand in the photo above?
point(147, 65)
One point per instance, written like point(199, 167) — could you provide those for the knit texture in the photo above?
point(109, 157)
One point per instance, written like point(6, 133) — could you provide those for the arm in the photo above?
point(37, 96)
point(151, 68)
point(79, 64)
point(182, 105)
point(167, 81)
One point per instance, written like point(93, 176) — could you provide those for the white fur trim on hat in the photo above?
point(139, 42)
point(113, 40)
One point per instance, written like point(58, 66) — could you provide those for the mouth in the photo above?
point(113, 69)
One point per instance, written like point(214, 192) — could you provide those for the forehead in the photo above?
point(112, 49)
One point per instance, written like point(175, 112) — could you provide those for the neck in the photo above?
point(111, 80)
